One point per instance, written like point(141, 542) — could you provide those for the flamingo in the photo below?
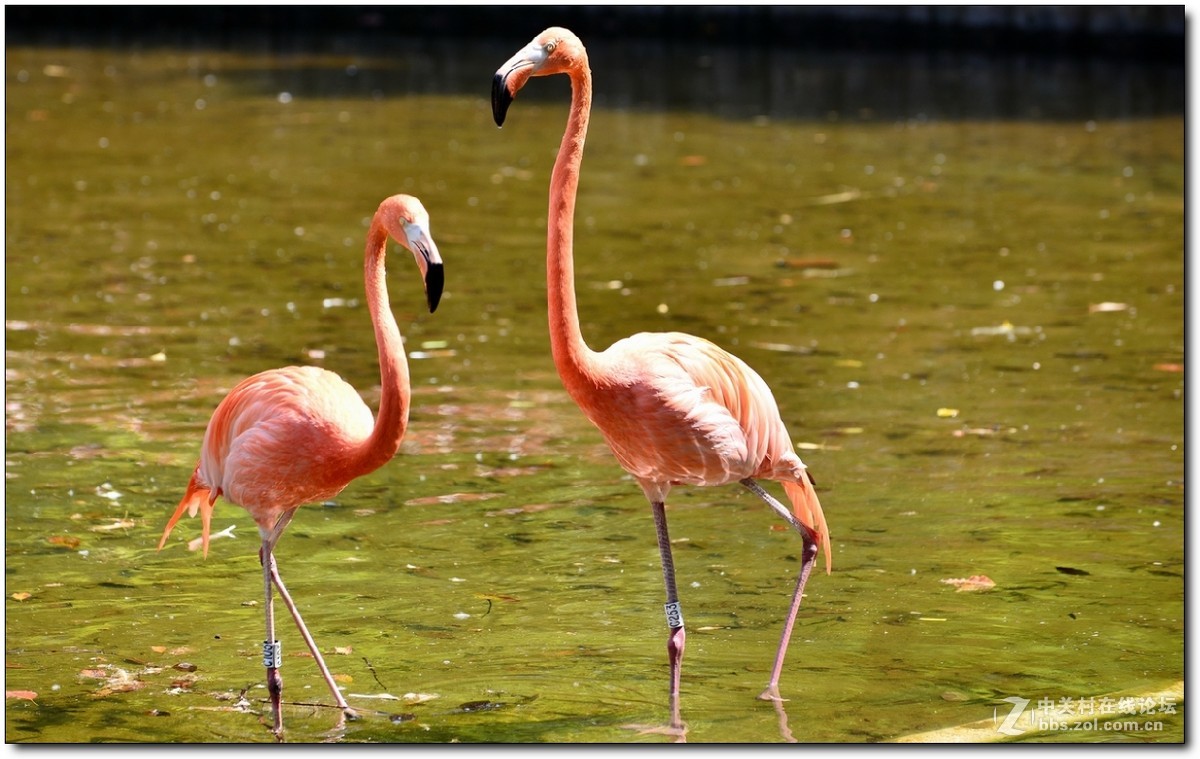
point(286, 437)
point(674, 408)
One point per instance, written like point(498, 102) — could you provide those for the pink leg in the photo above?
point(677, 636)
point(808, 558)
point(810, 555)
point(308, 639)
point(271, 649)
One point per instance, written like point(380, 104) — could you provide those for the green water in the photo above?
point(921, 288)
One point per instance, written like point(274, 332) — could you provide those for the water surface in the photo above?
point(965, 289)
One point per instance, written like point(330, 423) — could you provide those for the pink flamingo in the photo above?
point(286, 437)
point(674, 408)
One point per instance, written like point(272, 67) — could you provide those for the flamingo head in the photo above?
point(407, 221)
point(554, 51)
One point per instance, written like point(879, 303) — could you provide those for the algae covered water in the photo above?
point(965, 290)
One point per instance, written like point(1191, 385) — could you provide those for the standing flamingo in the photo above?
point(286, 437)
point(674, 408)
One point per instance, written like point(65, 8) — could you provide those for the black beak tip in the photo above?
point(435, 279)
point(501, 99)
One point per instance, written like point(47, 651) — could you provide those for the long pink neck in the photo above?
point(572, 357)
point(392, 419)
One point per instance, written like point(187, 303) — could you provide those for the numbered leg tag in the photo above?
point(272, 654)
point(674, 615)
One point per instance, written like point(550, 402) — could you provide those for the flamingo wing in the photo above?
point(682, 410)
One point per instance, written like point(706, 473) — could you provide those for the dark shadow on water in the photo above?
point(823, 73)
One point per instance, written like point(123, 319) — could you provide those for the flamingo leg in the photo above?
point(271, 651)
point(308, 639)
point(271, 571)
point(808, 558)
point(676, 636)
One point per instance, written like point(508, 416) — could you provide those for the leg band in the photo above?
point(272, 654)
point(674, 615)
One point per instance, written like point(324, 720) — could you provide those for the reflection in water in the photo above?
point(922, 280)
point(744, 83)
point(785, 731)
point(734, 82)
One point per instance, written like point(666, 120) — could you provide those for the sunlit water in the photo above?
point(965, 290)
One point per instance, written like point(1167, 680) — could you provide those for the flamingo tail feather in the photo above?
point(807, 508)
point(197, 498)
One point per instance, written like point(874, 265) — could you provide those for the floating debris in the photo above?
point(120, 524)
point(982, 431)
point(196, 543)
point(807, 263)
point(1073, 571)
point(817, 447)
point(972, 583)
point(947, 413)
point(783, 348)
point(410, 698)
point(479, 706)
point(377, 696)
point(116, 680)
point(821, 273)
point(497, 597)
point(837, 197)
point(106, 491)
point(451, 498)
point(1106, 307)
point(1006, 329)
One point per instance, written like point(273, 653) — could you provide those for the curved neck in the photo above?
point(572, 357)
point(392, 419)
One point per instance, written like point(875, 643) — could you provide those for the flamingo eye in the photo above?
point(549, 47)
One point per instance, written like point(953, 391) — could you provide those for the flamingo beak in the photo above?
point(512, 76)
point(429, 261)
point(434, 280)
point(501, 98)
